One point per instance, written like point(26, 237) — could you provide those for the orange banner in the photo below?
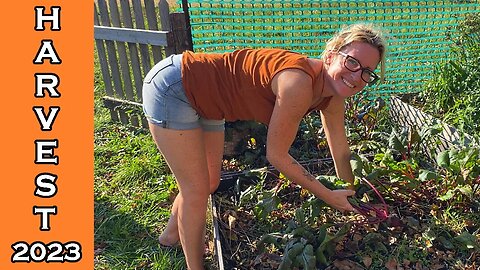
point(47, 135)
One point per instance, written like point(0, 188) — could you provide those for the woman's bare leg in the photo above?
point(214, 143)
point(169, 236)
point(184, 151)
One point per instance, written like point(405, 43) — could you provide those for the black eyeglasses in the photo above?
point(354, 65)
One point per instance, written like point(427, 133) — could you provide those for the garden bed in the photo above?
point(408, 239)
point(263, 221)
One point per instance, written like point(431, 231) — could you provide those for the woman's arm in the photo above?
point(294, 96)
point(333, 120)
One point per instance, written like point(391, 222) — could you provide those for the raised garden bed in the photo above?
point(263, 221)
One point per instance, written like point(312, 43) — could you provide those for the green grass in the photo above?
point(133, 195)
point(132, 189)
point(131, 200)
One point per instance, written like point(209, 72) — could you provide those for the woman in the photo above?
point(188, 98)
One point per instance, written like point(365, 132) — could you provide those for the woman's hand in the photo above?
point(338, 200)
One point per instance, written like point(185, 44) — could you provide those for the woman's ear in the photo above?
point(329, 57)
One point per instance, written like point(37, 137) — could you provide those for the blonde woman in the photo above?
point(188, 98)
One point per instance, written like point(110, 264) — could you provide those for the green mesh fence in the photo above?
point(416, 30)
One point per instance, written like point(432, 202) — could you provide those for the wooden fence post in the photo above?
point(179, 30)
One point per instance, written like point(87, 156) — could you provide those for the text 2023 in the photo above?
point(51, 252)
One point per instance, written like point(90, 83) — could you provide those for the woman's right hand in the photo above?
point(338, 199)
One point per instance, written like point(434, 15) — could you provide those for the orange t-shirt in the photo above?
point(237, 85)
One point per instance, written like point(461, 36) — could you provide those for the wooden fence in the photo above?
point(131, 36)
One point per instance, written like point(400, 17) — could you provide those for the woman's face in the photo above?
point(344, 82)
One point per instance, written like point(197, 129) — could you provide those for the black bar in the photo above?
point(187, 24)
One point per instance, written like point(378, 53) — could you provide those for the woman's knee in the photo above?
point(196, 195)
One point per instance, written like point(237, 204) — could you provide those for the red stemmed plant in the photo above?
point(373, 213)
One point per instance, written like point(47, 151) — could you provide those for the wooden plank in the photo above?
point(216, 233)
point(102, 57)
point(140, 24)
point(112, 56)
point(165, 21)
point(132, 48)
point(121, 102)
point(131, 35)
point(127, 91)
point(153, 25)
point(122, 53)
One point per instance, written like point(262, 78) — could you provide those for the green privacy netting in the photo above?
point(416, 30)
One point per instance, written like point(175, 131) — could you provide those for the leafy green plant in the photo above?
point(304, 245)
point(453, 93)
point(459, 173)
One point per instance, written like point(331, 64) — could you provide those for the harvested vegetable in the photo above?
point(373, 213)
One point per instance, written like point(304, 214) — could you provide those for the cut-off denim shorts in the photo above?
point(165, 103)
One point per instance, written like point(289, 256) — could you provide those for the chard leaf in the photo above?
point(266, 205)
point(308, 258)
point(426, 175)
point(395, 143)
point(443, 159)
point(357, 167)
point(466, 190)
point(445, 243)
point(447, 195)
point(467, 241)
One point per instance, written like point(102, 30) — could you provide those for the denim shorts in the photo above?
point(165, 103)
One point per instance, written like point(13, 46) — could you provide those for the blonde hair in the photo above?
point(362, 32)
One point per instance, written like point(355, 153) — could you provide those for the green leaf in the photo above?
point(374, 175)
point(426, 175)
point(322, 232)
point(395, 143)
point(266, 239)
point(466, 190)
point(320, 256)
point(445, 243)
point(266, 205)
point(432, 131)
point(379, 246)
point(286, 264)
point(443, 159)
point(447, 195)
point(357, 164)
point(300, 215)
point(247, 195)
point(295, 250)
point(467, 241)
point(413, 136)
point(308, 259)
point(372, 238)
point(357, 167)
